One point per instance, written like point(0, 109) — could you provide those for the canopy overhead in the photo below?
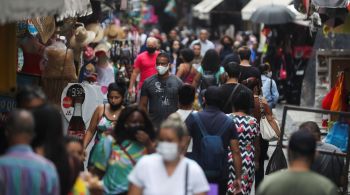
point(249, 9)
point(202, 9)
point(15, 10)
point(330, 3)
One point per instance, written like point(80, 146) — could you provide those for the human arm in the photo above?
point(134, 190)
point(133, 77)
point(144, 103)
point(257, 152)
point(275, 93)
point(237, 163)
point(270, 118)
point(143, 138)
point(90, 132)
point(180, 72)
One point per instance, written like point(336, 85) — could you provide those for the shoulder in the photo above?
point(194, 168)
point(151, 79)
point(176, 79)
point(148, 160)
point(322, 180)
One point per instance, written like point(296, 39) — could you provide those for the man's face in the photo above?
point(162, 61)
point(173, 35)
point(197, 50)
point(152, 44)
point(203, 35)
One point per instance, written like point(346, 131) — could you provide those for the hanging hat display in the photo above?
point(45, 26)
point(114, 32)
point(97, 29)
point(82, 37)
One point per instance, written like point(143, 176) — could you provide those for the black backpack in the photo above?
point(208, 79)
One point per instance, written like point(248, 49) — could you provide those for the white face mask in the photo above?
point(162, 69)
point(169, 151)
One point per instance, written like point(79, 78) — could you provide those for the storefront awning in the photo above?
point(249, 9)
point(15, 10)
point(202, 9)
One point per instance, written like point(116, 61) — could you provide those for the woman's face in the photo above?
point(135, 119)
point(76, 149)
point(115, 99)
point(176, 45)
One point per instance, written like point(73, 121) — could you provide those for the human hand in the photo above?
point(143, 138)
point(237, 186)
point(131, 90)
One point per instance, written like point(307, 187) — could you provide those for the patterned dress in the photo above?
point(247, 129)
point(104, 127)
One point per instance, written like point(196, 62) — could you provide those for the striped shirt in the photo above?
point(24, 172)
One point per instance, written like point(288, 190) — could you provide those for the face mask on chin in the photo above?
point(168, 150)
point(162, 69)
point(115, 107)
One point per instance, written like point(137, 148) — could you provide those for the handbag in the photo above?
point(283, 71)
point(277, 161)
point(338, 136)
point(267, 132)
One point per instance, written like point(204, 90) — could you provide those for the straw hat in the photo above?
point(45, 26)
point(105, 47)
point(82, 37)
point(97, 29)
point(114, 32)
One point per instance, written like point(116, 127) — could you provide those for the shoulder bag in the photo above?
point(267, 132)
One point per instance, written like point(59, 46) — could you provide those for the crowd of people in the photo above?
point(193, 129)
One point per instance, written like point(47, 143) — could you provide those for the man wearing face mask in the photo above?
point(144, 64)
point(159, 93)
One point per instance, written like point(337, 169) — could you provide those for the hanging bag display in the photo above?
point(328, 99)
point(268, 133)
point(277, 161)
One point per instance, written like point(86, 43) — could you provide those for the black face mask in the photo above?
point(134, 129)
point(115, 107)
point(151, 50)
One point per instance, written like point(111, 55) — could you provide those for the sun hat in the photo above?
point(104, 47)
point(97, 29)
point(82, 38)
point(114, 32)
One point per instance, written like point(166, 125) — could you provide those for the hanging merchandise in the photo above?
point(45, 26)
point(338, 136)
point(31, 28)
point(277, 161)
point(283, 70)
point(328, 99)
point(338, 99)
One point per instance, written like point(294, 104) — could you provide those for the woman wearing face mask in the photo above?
point(168, 171)
point(114, 157)
point(106, 115)
point(227, 47)
point(269, 87)
point(105, 70)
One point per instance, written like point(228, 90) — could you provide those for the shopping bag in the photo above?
point(338, 136)
point(337, 103)
point(277, 161)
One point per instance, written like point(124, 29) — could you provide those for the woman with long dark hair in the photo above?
point(186, 71)
point(106, 115)
point(115, 156)
point(49, 142)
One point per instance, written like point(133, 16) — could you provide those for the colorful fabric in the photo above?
point(247, 129)
point(80, 188)
point(24, 172)
point(109, 157)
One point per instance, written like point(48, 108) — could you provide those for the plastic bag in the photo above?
point(338, 136)
point(277, 161)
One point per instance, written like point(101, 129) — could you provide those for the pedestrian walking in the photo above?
point(227, 47)
point(248, 135)
point(115, 156)
point(214, 136)
point(247, 70)
point(186, 72)
point(269, 87)
point(159, 94)
point(105, 116)
point(144, 64)
point(168, 171)
point(204, 42)
point(21, 170)
point(298, 179)
point(197, 60)
point(231, 88)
